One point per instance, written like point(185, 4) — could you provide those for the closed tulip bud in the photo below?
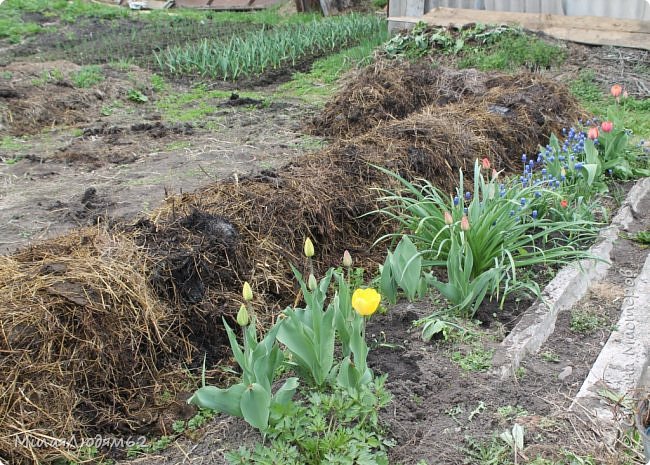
point(486, 163)
point(347, 259)
point(309, 248)
point(616, 90)
point(607, 126)
point(593, 133)
point(464, 223)
point(448, 218)
point(247, 292)
point(312, 283)
point(242, 316)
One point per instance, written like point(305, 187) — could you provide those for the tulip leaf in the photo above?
point(255, 406)
point(286, 392)
point(221, 400)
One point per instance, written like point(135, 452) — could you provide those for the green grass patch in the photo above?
point(511, 51)
point(321, 81)
point(196, 104)
point(87, 76)
point(483, 46)
point(585, 322)
point(266, 50)
point(14, 28)
point(476, 358)
point(9, 143)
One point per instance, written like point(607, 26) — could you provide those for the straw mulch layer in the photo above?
point(391, 90)
point(95, 325)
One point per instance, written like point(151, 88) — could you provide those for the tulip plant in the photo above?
point(482, 238)
point(251, 399)
point(309, 335)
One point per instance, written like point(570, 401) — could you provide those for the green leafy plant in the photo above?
point(402, 269)
point(137, 96)
point(642, 237)
point(484, 238)
point(266, 50)
point(327, 427)
point(309, 333)
point(585, 321)
point(252, 399)
point(515, 439)
point(475, 359)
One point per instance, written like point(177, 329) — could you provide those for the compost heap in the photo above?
point(96, 325)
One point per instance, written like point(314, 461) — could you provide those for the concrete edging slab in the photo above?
point(568, 286)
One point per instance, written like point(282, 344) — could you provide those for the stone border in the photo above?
point(569, 286)
point(623, 362)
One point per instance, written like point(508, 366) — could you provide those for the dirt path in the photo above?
point(126, 162)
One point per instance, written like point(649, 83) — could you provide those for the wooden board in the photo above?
point(584, 29)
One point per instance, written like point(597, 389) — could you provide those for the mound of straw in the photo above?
point(95, 325)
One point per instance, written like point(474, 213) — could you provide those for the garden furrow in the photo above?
point(569, 285)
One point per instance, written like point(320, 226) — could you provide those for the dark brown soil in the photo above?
point(92, 168)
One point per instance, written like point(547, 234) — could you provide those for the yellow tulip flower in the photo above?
point(365, 301)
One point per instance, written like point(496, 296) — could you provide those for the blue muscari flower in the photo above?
point(539, 158)
point(563, 130)
point(503, 193)
point(609, 171)
point(531, 163)
point(465, 210)
point(538, 194)
point(596, 142)
point(468, 195)
point(502, 186)
point(544, 171)
point(523, 201)
point(551, 159)
point(512, 213)
point(561, 158)
point(523, 158)
point(557, 183)
point(573, 157)
point(526, 168)
point(456, 200)
point(534, 214)
point(563, 178)
point(578, 165)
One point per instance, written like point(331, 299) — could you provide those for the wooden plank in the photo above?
point(536, 21)
point(618, 32)
point(414, 8)
point(396, 8)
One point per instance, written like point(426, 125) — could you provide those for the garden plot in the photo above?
point(196, 250)
point(174, 273)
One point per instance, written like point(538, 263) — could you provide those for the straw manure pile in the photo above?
point(96, 324)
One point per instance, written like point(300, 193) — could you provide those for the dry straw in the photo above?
point(95, 325)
